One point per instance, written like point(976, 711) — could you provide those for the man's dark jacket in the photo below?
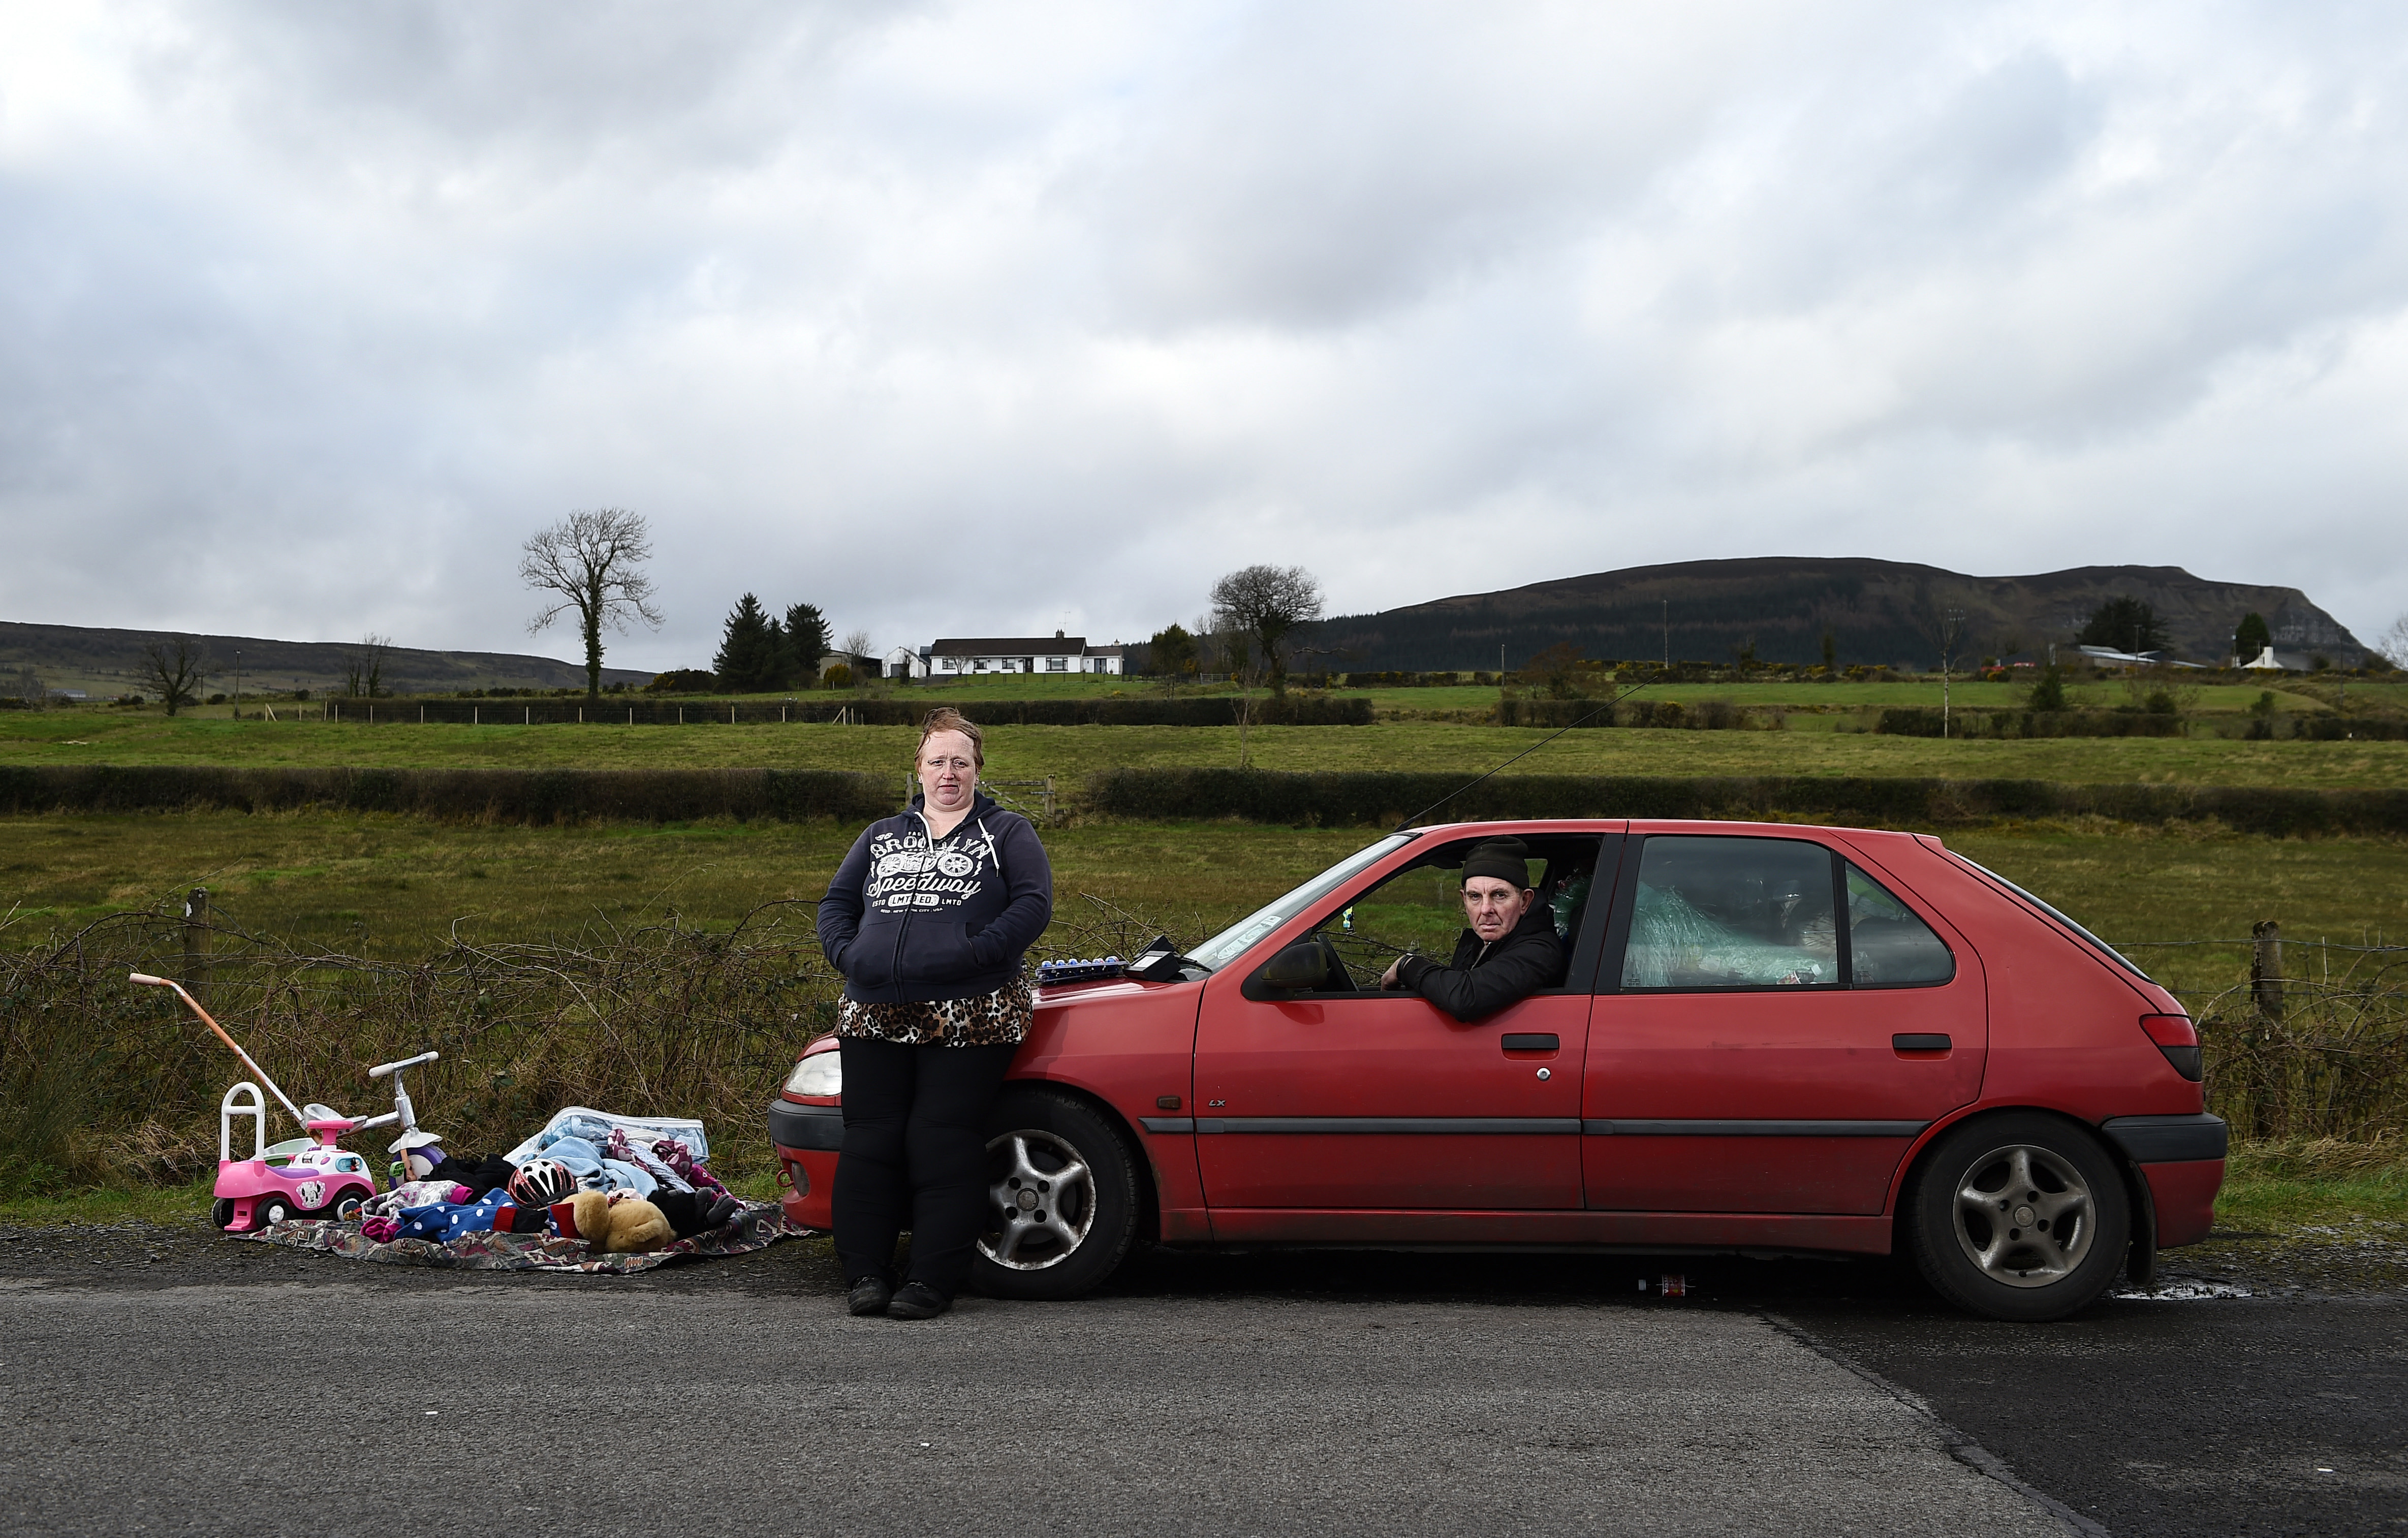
point(911, 919)
point(1484, 979)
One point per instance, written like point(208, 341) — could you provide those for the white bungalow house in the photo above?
point(1057, 653)
point(904, 663)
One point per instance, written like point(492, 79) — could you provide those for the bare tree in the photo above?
point(855, 643)
point(28, 687)
point(1942, 622)
point(2394, 645)
point(1267, 603)
point(589, 560)
point(175, 665)
point(363, 669)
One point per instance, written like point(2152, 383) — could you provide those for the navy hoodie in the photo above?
point(911, 919)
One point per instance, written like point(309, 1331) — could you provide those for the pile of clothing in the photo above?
point(622, 1184)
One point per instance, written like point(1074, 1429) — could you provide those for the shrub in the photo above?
point(683, 681)
point(2047, 691)
point(838, 677)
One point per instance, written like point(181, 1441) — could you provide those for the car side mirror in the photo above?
point(1299, 969)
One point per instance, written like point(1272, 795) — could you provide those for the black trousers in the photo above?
point(914, 1157)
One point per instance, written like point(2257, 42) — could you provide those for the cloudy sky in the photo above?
point(1005, 317)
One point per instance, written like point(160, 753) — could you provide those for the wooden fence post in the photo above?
point(1049, 800)
point(2266, 969)
point(196, 942)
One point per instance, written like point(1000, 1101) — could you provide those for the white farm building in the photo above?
point(1057, 653)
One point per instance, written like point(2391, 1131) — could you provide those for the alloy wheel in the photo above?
point(2025, 1217)
point(1041, 1200)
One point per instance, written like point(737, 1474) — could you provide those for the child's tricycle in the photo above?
point(303, 1177)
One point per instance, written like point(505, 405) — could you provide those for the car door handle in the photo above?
point(1533, 1040)
point(1920, 1041)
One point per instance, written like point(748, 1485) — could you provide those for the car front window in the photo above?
point(1232, 942)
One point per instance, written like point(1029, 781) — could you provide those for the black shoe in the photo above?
point(917, 1301)
point(869, 1296)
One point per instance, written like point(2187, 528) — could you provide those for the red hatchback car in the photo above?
point(1770, 1039)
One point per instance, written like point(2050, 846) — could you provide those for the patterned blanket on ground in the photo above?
point(757, 1227)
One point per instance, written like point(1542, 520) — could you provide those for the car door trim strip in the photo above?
point(1168, 1123)
point(1620, 1127)
point(1393, 1125)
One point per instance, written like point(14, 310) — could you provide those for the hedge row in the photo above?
point(1663, 714)
point(1384, 799)
point(1366, 798)
point(502, 796)
point(1194, 710)
point(1923, 721)
point(907, 710)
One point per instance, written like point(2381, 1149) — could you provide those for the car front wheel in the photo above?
point(2021, 1217)
point(1062, 1198)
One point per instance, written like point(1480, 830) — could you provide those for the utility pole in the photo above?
point(238, 685)
point(1667, 636)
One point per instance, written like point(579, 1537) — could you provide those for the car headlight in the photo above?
point(820, 1073)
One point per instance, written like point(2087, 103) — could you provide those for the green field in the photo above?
point(1065, 753)
point(394, 887)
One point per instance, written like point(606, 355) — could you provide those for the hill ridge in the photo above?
point(1876, 610)
point(102, 660)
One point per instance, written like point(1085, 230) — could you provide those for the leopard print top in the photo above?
point(1000, 1018)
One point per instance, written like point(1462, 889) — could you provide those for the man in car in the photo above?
point(1509, 952)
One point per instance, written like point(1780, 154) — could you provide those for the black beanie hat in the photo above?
point(1506, 859)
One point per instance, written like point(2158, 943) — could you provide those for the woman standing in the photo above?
point(928, 919)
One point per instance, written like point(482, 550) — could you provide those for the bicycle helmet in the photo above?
point(542, 1182)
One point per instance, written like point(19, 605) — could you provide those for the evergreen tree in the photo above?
point(1172, 651)
point(2047, 691)
point(2251, 637)
point(750, 651)
point(2127, 623)
point(807, 640)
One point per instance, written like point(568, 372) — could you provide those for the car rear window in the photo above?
point(2110, 951)
point(1888, 946)
point(1724, 912)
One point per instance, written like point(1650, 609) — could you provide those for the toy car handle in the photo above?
point(382, 1068)
point(148, 981)
point(386, 1120)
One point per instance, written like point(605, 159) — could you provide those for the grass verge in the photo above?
point(2285, 1187)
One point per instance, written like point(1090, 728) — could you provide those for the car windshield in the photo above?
point(2110, 951)
point(1231, 942)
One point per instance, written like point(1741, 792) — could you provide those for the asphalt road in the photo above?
point(166, 1380)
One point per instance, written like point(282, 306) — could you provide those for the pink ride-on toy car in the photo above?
point(302, 1177)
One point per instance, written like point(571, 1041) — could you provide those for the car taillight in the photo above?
point(2178, 1039)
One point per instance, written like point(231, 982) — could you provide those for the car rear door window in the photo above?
point(1888, 946)
point(1713, 912)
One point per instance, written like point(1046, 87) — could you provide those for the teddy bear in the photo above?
point(620, 1222)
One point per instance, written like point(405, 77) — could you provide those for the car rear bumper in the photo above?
point(2182, 1157)
point(807, 1139)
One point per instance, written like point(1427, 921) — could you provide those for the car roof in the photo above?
point(1662, 825)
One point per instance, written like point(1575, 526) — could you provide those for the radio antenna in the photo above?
point(1519, 757)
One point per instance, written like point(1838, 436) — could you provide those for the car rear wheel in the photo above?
point(1062, 1198)
point(2021, 1217)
